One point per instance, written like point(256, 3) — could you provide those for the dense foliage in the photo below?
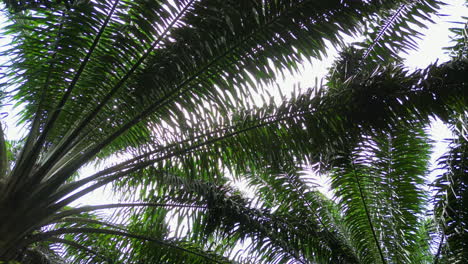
point(162, 96)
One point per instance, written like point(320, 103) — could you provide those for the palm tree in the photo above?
point(160, 94)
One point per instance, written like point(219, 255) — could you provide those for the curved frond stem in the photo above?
point(70, 187)
point(382, 31)
point(57, 153)
point(58, 109)
point(139, 163)
point(142, 164)
point(3, 158)
point(93, 187)
point(57, 240)
point(83, 220)
point(439, 249)
point(28, 155)
point(90, 208)
point(46, 235)
point(178, 91)
point(366, 210)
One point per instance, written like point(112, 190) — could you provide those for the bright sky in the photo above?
point(430, 49)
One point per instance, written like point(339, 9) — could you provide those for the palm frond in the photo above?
point(459, 49)
point(379, 186)
point(230, 219)
point(239, 45)
point(23, 5)
point(451, 201)
point(396, 31)
point(327, 120)
point(170, 84)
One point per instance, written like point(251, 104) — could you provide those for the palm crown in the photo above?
point(160, 93)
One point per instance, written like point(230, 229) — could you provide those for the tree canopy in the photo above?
point(160, 96)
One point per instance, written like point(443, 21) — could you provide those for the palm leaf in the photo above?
point(170, 82)
point(451, 199)
point(379, 186)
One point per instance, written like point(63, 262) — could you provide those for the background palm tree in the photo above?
point(160, 93)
